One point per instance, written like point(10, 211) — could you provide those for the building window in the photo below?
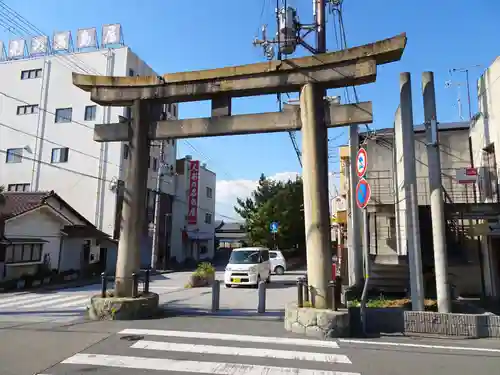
point(27, 109)
point(203, 249)
point(21, 253)
point(126, 151)
point(64, 114)
point(30, 74)
point(209, 192)
point(59, 155)
point(174, 110)
point(90, 111)
point(208, 218)
point(14, 155)
point(18, 187)
point(155, 164)
point(131, 72)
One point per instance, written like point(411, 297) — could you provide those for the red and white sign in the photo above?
point(361, 162)
point(194, 176)
point(467, 175)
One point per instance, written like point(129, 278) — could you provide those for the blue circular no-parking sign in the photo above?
point(363, 193)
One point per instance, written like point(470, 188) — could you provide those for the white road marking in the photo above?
point(20, 303)
point(82, 301)
point(219, 368)
point(54, 301)
point(12, 301)
point(423, 346)
point(230, 337)
point(239, 351)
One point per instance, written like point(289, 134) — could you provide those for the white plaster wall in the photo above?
point(38, 224)
point(77, 181)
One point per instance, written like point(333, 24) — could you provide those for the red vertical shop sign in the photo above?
point(194, 174)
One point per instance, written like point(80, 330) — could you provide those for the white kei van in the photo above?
point(248, 266)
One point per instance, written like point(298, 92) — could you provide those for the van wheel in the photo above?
point(279, 270)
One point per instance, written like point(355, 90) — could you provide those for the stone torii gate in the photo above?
point(309, 75)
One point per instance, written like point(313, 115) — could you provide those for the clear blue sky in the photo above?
point(180, 35)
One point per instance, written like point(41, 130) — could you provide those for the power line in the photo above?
point(83, 174)
point(52, 142)
point(13, 20)
point(337, 8)
point(21, 22)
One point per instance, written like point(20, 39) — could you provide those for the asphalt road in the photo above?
point(70, 304)
point(222, 345)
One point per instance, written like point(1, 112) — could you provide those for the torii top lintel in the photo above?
point(349, 67)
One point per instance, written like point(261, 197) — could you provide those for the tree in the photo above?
point(275, 201)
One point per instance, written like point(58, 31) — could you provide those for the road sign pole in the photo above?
point(355, 259)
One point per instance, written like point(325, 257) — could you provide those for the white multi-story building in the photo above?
point(46, 128)
point(193, 225)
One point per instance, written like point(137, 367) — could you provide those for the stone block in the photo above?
point(306, 317)
point(318, 323)
point(116, 308)
point(298, 328)
point(315, 331)
point(448, 324)
point(394, 320)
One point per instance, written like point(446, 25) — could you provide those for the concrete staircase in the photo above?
point(389, 278)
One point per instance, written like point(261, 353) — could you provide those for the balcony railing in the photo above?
point(384, 192)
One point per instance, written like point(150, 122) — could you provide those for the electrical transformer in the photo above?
point(288, 29)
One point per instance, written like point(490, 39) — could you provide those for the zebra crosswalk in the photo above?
point(61, 305)
point(39, 306)
point(172, 352)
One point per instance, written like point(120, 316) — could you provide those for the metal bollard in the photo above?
point(104, 284)
point(300, 296)
point(215, 295)
point(306, 290)
point(261, 307)
point(135, 285)
point(146, 281)
point(332, 284)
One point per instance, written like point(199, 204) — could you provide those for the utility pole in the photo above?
point(320, 10)
point(156, 222)
point(435, 184)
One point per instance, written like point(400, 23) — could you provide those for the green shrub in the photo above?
point(203, 276)
point(205, 268)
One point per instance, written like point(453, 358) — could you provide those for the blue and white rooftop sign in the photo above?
point(61, 42)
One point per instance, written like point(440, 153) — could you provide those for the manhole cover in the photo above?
point(132, 338)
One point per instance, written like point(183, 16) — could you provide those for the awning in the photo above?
point(23, 240)
point(195, 235)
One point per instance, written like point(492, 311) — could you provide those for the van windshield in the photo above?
point(244, 257)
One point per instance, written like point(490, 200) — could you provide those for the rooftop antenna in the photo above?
point(449, 84)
